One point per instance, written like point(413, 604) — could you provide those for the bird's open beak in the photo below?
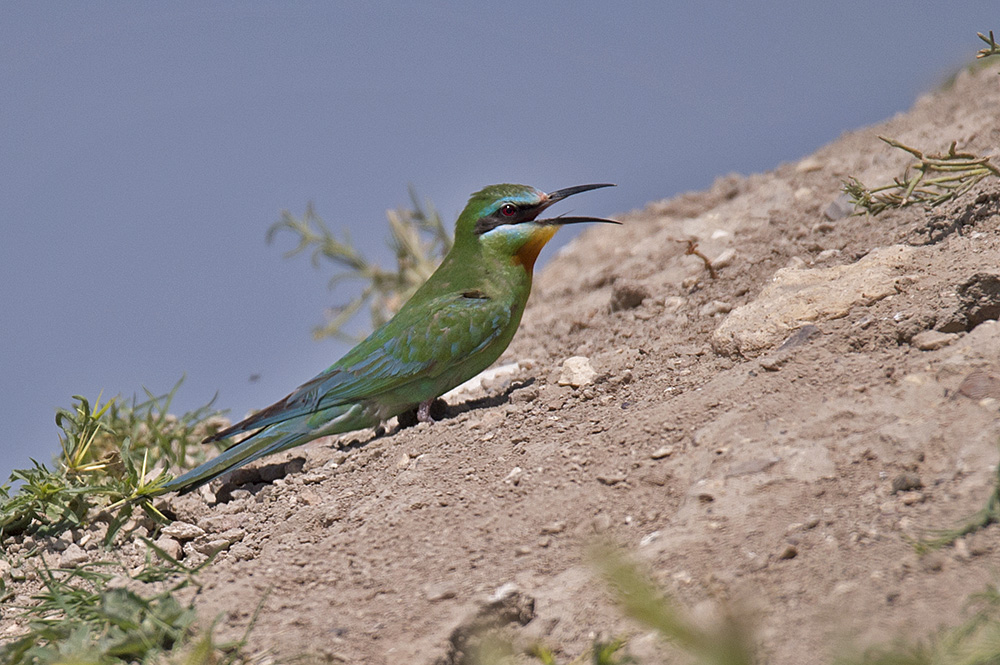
point(561, 194)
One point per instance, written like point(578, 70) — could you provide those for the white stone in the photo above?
point(182, 531)
point(577, 371)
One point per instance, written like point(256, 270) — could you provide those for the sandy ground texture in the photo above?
point(768, 437)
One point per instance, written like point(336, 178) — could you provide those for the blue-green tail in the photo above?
point(269, 440)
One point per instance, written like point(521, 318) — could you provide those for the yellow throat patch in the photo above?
point(529, 251)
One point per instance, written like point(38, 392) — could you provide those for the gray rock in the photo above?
point(182, 531)
point(73, 556)
point(170, 547)
point(905, 482)
point(930, 340)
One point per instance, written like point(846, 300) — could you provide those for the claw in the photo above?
point(424, 412)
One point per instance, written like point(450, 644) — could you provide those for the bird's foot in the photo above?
point(424, 412)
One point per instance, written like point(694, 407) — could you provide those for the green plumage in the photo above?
point(452, 328)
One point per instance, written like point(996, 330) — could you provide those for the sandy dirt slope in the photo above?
point(767, 437)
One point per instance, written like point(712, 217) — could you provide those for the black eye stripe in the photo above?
point(508, 213)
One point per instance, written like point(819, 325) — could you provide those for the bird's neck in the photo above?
point(493, 274)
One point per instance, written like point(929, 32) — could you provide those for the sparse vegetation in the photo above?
point(101, 613)
point(991, 46)
point(931, 181)
point(600, 653)
point(419, 240)
point(933, 178)
point(109, 454)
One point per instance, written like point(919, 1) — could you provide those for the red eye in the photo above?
point(508, 209)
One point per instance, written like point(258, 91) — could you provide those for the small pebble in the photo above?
point(170, 547)
point(931, 340)
point(73, 556)
point(905, 482)
point(715, 307)
point(577, 371)
point(611, 478)
point(553, 528)
point(662, 451)
point(725, 258)
point(182, 531)
point(438, 592)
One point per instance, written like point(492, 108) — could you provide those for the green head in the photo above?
point(503, 219)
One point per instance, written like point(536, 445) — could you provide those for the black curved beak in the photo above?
point(561, 194)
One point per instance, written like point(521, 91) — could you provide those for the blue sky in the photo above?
point(147, 147)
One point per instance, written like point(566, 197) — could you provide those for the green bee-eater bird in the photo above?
point(453, 327)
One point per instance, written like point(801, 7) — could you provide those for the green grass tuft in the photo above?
point(108, 456)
